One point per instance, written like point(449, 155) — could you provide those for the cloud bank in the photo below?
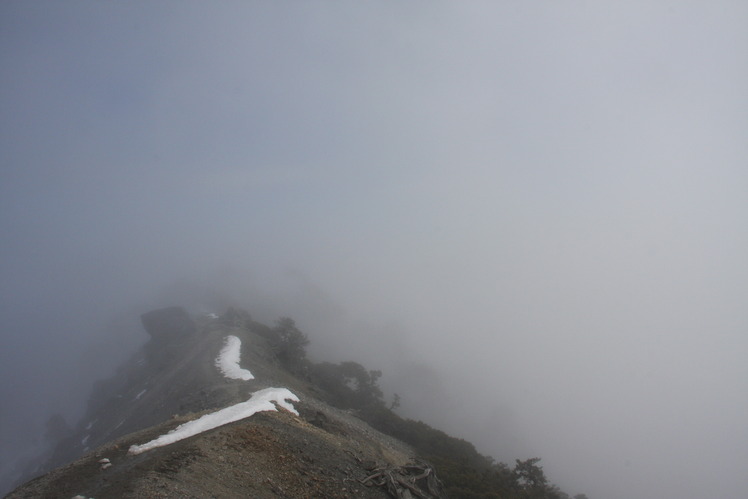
point(543, 201)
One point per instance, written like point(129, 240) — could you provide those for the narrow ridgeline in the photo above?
point(226, 407)
point(221, 407)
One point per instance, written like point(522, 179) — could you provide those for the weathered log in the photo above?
point(407, 482)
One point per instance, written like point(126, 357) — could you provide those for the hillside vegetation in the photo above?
point(348, 385)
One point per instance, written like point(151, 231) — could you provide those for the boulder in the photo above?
point(236, 317)
point(168, 323)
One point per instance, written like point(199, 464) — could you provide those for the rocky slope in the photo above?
point(319, 452)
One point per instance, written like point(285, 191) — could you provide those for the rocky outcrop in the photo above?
point(166, 324)
point(236, 317)
point(168, 327)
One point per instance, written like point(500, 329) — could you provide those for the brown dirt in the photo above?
point(325, 453)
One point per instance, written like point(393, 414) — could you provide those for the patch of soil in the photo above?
point(325, 453)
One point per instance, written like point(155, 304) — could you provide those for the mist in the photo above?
point(532, 216)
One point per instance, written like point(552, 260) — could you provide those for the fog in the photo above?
point(540, 203)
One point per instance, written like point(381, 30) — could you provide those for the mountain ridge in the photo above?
point(337, 438)
point(174, 380)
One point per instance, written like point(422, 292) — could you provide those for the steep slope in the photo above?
point(271, 454)
point(307, 449)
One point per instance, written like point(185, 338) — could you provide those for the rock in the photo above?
point(168, 327)
point(236, 317)
point(168, 323)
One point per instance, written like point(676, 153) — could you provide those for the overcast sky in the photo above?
point(542, 203)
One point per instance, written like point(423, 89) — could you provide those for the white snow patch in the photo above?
point(85, 439)
point(228, 360)
point(140, 394)
point(212, 316)
point(90, 424)
point(261, 400)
